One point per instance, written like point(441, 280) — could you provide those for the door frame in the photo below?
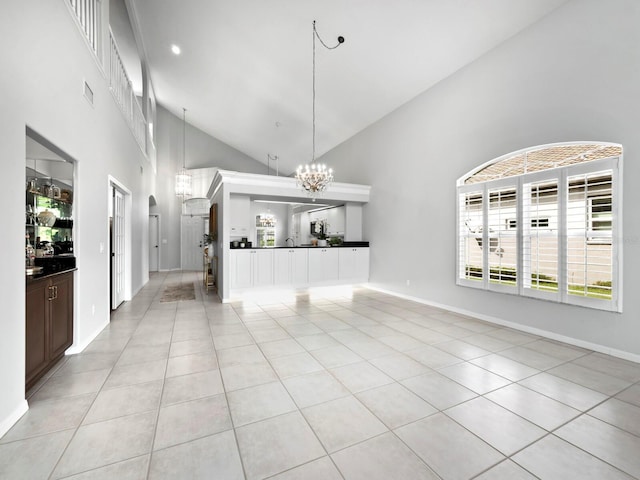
point(205, 223)
point(159, 246)
point(113, 183)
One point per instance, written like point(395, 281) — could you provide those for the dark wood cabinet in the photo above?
point(49, 323)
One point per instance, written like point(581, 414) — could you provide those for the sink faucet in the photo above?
point(293, 243)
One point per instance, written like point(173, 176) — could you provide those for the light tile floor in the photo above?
point(327, 384)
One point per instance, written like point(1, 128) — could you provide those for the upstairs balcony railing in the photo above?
point(87, 14)
point(125, 97)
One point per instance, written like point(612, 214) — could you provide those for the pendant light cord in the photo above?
point(184, 137)
point(313, 93)
point(313, 87)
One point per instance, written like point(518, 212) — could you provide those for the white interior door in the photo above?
point(117, 250)
point(154, 243)
point(193, 230)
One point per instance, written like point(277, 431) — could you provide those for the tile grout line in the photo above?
point(92, 403)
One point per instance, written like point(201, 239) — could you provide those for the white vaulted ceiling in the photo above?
point(245, 71)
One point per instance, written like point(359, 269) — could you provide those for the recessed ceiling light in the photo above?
point(175, 49)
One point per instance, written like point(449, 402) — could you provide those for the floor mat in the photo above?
point(178, 292)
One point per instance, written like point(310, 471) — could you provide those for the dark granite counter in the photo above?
point(44, 275)
point(51, 265)
point(342, 245)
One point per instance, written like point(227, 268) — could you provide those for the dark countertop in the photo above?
point(342, 245)
point(46, 274)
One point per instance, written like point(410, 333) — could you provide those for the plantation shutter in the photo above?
point(540, 217)
point(502, 248)
point(589, 235)
point(546, 224)
point(470, 220)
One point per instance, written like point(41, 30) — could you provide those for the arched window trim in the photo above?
point(563, 176)
point(472, 172)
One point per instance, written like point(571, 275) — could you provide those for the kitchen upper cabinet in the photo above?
point(251, 268)
point(323, 264)
point(336, 220)
point(49, 324)
point(240, 209)
point(290, 266)
point(354, 264)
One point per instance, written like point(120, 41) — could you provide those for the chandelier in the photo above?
point(183, 178)
point(266, 220)
point(314, 178)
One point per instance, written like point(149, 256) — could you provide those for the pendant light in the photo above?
point(314, 178)
point(183, 178)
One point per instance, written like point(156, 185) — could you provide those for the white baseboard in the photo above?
point(517, 326)
point(10, 421)
point(137, 290)
point(74, 349)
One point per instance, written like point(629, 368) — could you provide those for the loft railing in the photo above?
point(125, 97)
point(88, 16)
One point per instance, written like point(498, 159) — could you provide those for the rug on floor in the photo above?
point(178, 292)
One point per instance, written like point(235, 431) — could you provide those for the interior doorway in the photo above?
point(119, 243)
point(117, 249)
point(193, 229)
point(154, 242)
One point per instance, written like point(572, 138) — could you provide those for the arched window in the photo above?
point(544, 222)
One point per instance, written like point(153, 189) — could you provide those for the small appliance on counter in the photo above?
point(244, 243)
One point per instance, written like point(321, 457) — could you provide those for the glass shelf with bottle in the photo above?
point(49, 222)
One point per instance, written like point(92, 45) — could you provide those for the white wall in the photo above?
point(43, 67)
point(202, 151)
point(575, 75)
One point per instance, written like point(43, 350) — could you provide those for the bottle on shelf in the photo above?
point(30, 253)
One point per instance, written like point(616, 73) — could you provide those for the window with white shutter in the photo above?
point(543, 223)
point(589, 235)
point(470, 236)
point(502, 242)
point(540, 241)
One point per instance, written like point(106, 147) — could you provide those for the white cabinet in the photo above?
point(323, 264)
point(336, 220)
point(251, 268)
point(290, 266)
point(240, 208)
point(240, 274)
point(354, 264)
point(263, 268)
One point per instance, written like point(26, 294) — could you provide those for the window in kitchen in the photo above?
point(542, 223)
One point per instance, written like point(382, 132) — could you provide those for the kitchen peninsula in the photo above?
point(290, 263)
point(298, 267)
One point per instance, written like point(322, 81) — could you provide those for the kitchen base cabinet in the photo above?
point(354, 264)
point(290, 266)
point(323, 265)
point(251, 268)
point(49, 323)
